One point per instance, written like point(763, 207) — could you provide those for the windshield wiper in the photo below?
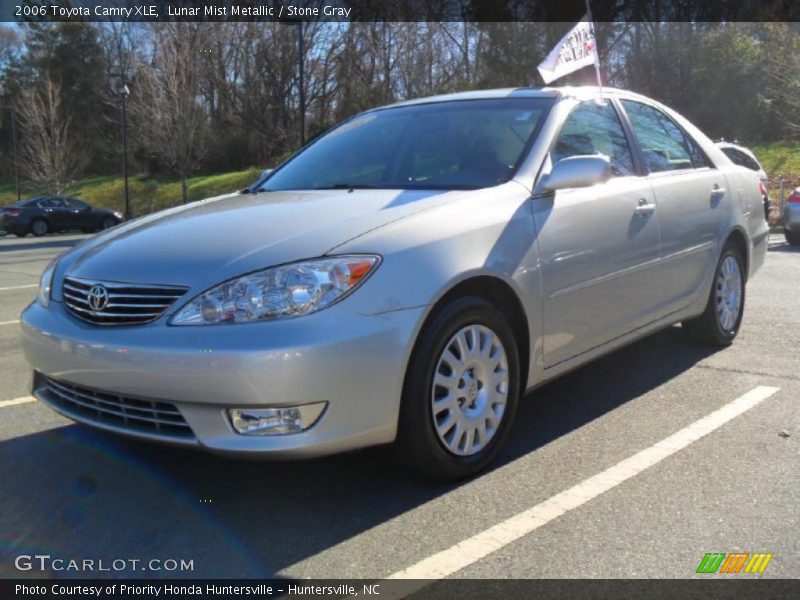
point(347, 186)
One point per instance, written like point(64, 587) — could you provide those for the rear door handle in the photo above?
point(645, 207)
point(716, 190)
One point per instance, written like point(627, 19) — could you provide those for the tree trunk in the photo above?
point(184, 194)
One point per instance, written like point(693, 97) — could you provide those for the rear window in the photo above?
point(740, 158)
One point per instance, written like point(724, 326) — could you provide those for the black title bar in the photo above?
point(734, 588)
point(396, 10)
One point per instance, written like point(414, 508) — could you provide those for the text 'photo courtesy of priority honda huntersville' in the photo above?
point(403, 279)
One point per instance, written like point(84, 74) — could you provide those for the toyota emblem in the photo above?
point(98, 297)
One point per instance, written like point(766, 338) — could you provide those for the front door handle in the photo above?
point(717, 190)
point(645, 207)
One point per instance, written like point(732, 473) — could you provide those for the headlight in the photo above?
point(46, 282)
point(286, 291)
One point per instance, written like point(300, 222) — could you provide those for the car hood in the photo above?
point(210, 241)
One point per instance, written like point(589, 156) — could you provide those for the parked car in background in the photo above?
point(791, 218)
point(744, 157)
point(253, 187)
point(49, 214)
point(403, 279)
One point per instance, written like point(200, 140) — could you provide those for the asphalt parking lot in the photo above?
point(77, 493)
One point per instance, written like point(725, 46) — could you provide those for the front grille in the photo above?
point(145, 416)
point(125, 303)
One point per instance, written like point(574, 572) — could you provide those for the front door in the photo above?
point(56, 210)
point(599, 245)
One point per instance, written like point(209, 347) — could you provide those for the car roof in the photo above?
point(580, 92)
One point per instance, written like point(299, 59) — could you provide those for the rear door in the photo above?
point(599, 245)
point(692, 201)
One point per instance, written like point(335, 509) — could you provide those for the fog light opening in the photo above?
point(275, 421)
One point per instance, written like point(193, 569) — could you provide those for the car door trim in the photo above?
point(628, 270)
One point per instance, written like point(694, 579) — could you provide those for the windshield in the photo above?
point(466, 144)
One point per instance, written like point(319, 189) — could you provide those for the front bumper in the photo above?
point(353, 362)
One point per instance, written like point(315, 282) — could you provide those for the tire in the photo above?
point(20, 234)
point(792, 238)
point(108, 223)
point(436, 454)
point(39, 227)
point(719, 326)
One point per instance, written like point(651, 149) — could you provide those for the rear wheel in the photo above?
point(720, 322)
point(461, 392)
point(39, 228)
point(792, 237)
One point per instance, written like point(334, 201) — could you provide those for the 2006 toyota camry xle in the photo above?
point(405, 278)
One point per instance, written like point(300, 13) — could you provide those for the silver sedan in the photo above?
point(791, 218)
point(404, 279)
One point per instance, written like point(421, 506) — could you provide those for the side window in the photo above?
point(75, 203)
point(46, 203)
point(664, 145)
point(57, 203)
point(594, 129)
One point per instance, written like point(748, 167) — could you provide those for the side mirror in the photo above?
point(576, 172)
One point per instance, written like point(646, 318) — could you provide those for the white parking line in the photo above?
point(18, 287)
point(9, 322)
point(16, 401)
point(471, 550)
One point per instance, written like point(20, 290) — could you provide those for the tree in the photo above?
point(49, 154)
point(72, 55)
point(172, 122)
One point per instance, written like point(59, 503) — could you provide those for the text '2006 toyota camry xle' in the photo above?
point(405, 278)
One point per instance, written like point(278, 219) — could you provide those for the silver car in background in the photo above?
point(791, 218)
point(404, 279)
point(744, 157)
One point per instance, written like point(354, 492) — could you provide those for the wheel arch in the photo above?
point(500, 294)
point(739, 239)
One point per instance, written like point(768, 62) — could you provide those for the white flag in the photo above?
point(576, 50)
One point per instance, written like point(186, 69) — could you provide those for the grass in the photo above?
point(779, 159)
point(146, 194)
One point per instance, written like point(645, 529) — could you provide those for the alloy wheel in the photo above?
point(39, 228)
point(729, 293)
point(470, 390)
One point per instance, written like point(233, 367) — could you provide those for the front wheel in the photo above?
point(720, 322)
point(792, 238)
point(461, 392)
point(108, 223)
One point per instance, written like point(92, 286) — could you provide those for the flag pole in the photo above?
point(596, 54)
